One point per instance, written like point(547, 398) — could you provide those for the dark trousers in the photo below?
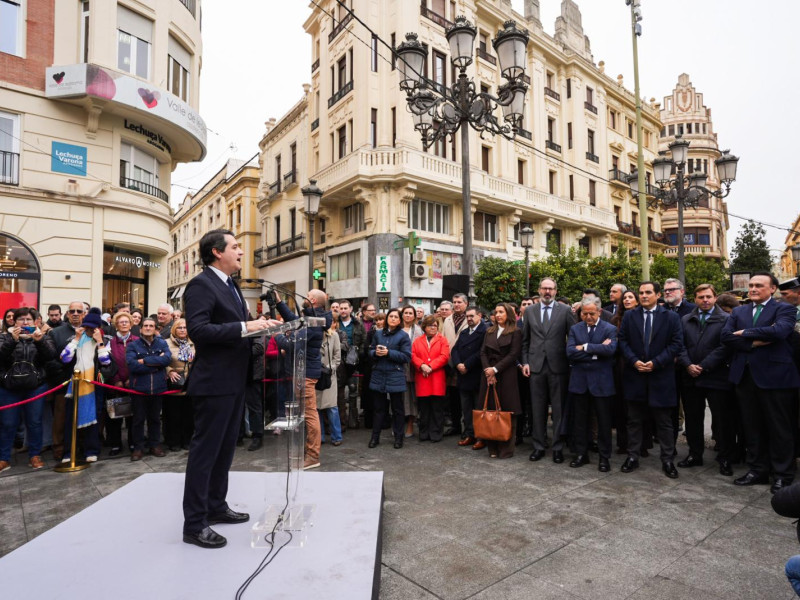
point(769, 417)
point(523, 426)
point(380, 403)
point(637, 414)
point(453, 410)
point(431, 417)
point(114, 431)
point(469, 402)
point(89, 436)
point(547, 387)
point(504, 449)
point(146, 409)
point(254, 402)
point(216, 426)
point(178, 420)
point(723, 414)
point(604, 409)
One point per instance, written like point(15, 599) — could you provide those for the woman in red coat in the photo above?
point(429, 355)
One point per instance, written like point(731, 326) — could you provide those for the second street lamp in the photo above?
point(439, 111)
point(312, 195)
point(682, 191)
point(526, 241)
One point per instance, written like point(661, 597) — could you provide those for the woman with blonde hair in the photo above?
point(177, 408)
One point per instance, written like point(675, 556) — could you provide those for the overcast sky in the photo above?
point(740, 55)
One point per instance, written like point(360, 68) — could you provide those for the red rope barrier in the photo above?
point(21, 402)
point(119, 389)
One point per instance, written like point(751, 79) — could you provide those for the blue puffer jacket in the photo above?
point(150, 377)
point(313, 341)
point(388, 372)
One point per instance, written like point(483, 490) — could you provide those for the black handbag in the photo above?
point(176, 385)
point(351, 360)
point(119, 407)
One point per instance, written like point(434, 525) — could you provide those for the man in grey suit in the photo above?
point(544, 359)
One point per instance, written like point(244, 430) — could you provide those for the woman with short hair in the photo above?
point(429, 355)
point(177, 408)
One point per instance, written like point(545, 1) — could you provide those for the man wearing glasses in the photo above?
point(58, 372)
point(674, 298)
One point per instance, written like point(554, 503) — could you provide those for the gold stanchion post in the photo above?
point(73, 465)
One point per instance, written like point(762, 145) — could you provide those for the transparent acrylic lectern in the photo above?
point(292, 514)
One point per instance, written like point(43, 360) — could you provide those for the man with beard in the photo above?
point(454, 324)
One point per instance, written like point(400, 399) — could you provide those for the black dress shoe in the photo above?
point(691, 461)
point(604, 467)
point(725, 467)
point(629, 465)
point(536, 455)
point(229, 516)
point(751, 478)
point(207, 538)
point(579, 461)
point(373, 442)
point(398, 443)
point(255, 444)
point(670, 470)
point(779, 484)
point(558, 457)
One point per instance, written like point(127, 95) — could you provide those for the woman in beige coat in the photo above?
point(177, 408)
point(331, 354)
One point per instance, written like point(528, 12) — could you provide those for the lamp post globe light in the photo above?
point(439, 111)
point(684, 191)
point(312, 195)
point(526, 241)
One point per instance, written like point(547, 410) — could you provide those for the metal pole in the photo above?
point(640, 157)
point(527, 275)
point(681, 196)
point(311, 252)
point(73, 464)
point(466, 222)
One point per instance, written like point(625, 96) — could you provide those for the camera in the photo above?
point(270, 297)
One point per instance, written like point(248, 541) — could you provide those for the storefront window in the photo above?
point(19, 275)
point(125, 277)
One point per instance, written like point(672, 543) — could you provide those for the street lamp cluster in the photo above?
point(684, 191)
point(439, 111)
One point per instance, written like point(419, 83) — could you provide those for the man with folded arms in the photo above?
point(766, 382)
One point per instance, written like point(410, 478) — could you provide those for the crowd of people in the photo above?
point(643, 365)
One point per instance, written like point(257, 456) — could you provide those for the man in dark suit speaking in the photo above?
point(217, 318)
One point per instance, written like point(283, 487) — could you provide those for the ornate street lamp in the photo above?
point(526, 241)
point(312, 195)
point(683, 191)
point(439, 112)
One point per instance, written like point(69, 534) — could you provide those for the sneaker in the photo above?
point(66, 459)
point(4, 465)
point(36, 462)
point(310, 464)
point(91, 458)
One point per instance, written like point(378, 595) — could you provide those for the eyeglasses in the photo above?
point(75, 311)
point(670, 290)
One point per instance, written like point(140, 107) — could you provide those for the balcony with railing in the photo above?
point(623, 227)
point(590, 107)
point(658, 236)
point(9, 168)
point(553, 146)
point(290, 179)
point(274, 189)
point(145, 188)
point(434, 16)
point(524, 133)
point(191, 6)
point(314, 124)
point(340, 27)
point(592, 157)
point(486, 56)
point(552, 94)
point(694, 249)
point(315, 65)
point(618, 175)
point(343, 91)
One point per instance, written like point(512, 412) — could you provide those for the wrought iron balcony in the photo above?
point(617, 175)
point(274, 189)
point(9, 168)
point(658, 236)
point(314, 124)
point(290, 179)
point(145, 188)
point(340, 27)
point(315, 65)
point(624, 227)
point(554, 95)
point(295, 244)
point(524, 133)
point(433, 16)
point(343, 91)
point(553, 146)
point(486, 56)
point(592, 157)
point(590, 107)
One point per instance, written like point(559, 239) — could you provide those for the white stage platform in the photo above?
point(129, 545)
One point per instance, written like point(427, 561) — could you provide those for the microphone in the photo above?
point(280, 288)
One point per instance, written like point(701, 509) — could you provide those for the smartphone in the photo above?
point(28, 329)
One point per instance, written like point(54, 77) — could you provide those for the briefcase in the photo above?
point(492, 425)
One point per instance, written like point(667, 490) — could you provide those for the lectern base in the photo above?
point(296, 521)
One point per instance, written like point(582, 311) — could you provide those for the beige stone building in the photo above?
point(98, 104)
point(228, 200)
point(788, 266)
point(705, 227)
point(352, 133)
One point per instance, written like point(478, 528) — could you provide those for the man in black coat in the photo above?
point(703, 368)
point(466, 357)
point(218, 319)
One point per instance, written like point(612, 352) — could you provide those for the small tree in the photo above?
point(499, 280)
point(750, 251)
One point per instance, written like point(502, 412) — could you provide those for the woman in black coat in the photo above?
point(499, 355)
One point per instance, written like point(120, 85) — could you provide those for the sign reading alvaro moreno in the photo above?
point(138, 261)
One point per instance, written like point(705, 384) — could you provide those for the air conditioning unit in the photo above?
point(419, 270)
point(418, 256)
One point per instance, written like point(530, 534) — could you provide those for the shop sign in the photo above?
point(69, 159)
point(3, 274)
point(137, 261)
point(153, 138)
point(383, 275)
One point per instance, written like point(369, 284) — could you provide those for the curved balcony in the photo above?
point(154, 111)
point(145, 188)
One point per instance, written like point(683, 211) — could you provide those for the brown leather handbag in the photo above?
point(492, 424)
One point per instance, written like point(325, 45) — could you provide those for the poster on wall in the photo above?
point(437, 265)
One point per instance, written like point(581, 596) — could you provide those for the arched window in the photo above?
point(20, 274)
